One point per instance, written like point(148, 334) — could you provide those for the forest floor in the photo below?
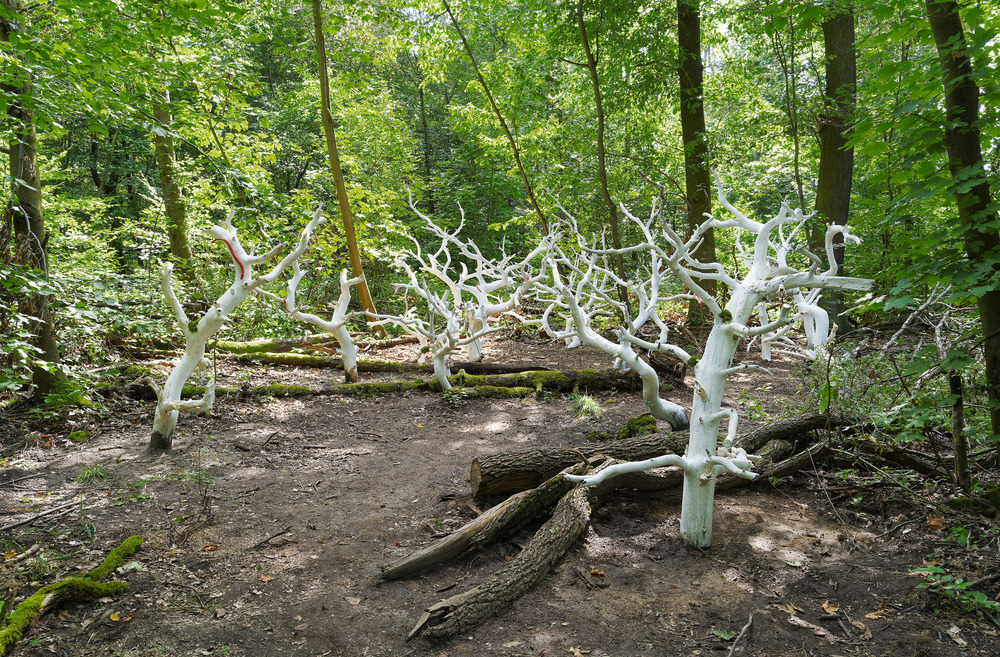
point(267, 525)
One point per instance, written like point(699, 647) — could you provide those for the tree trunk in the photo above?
point(24, 212)
point(602, 168)
point(697, 177)
point(958, 440)
point(338, 174)
point(971, 186)
point(170, 191)
point(836, 159)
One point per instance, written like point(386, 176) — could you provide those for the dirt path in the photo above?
point(266, 528)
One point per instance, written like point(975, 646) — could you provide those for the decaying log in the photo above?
point(275, 345)
point(905, 458)
point(569, 520)
point(468, 610)
point(377, 365)
point(792, 429)
point(503, 519)
point(509, 472)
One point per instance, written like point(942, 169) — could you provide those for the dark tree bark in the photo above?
point(836, 159)
point(602, 167)
point(697, 177)
point(24, 213)
point(972, 190)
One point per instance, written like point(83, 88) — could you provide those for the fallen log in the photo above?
point(85, 587)
point(468, 610)
point(461, 613)
point(465, 611)
point(378, 365)
point(503, 519)
point(510, 472)
point(275, 345)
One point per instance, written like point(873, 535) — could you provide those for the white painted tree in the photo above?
point(460, 315)
point(769, 275)
point(336, 325)
point(198, 333)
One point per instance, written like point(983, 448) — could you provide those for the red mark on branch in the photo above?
point(232, 253)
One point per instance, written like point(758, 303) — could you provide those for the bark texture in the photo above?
point(836, 159)
point(972, 190)
point(338, 173)
point(697, 177)
point(510, 472)
point(23, 212)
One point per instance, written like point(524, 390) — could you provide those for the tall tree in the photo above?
point(836, 158)
point(338, 173)
point(697, 176)
point(24, 209)
point(170, 189)
point(970, 185)
point(602, 167)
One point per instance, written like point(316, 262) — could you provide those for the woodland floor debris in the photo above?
point(364, 481)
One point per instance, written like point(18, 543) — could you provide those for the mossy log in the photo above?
point(274, 345)
point(377, 365)
point(48, 597)
point(519, 384)
point(510, 472)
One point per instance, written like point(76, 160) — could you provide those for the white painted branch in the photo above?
point(198, 334)
point(336, 325)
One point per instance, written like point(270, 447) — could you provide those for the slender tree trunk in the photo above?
point(429, 192)
point(836, 159)
point(24, 210)
point(496, 111)
point(697, 177)
point(965, 159)
point(338, 173)
point(170, 190)
point(602, 168)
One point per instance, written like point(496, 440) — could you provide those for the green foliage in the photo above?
point(585, 406)
point(957, 591)
point(92, 473)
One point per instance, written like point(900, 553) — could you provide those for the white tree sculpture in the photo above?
point(336, 325)
point(769, 275)
point(198, 333)
point(588, 278)
point(459, 315)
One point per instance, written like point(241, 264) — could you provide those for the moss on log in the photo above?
point(73, 588)
point(275, 345)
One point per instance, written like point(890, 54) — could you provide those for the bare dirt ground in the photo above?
point(266, 527)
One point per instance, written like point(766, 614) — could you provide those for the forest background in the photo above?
point(151, 120)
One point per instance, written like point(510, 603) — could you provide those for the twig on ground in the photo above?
point(262, 543)
point(31, 476)
point(736, 642)
point(40, 515)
